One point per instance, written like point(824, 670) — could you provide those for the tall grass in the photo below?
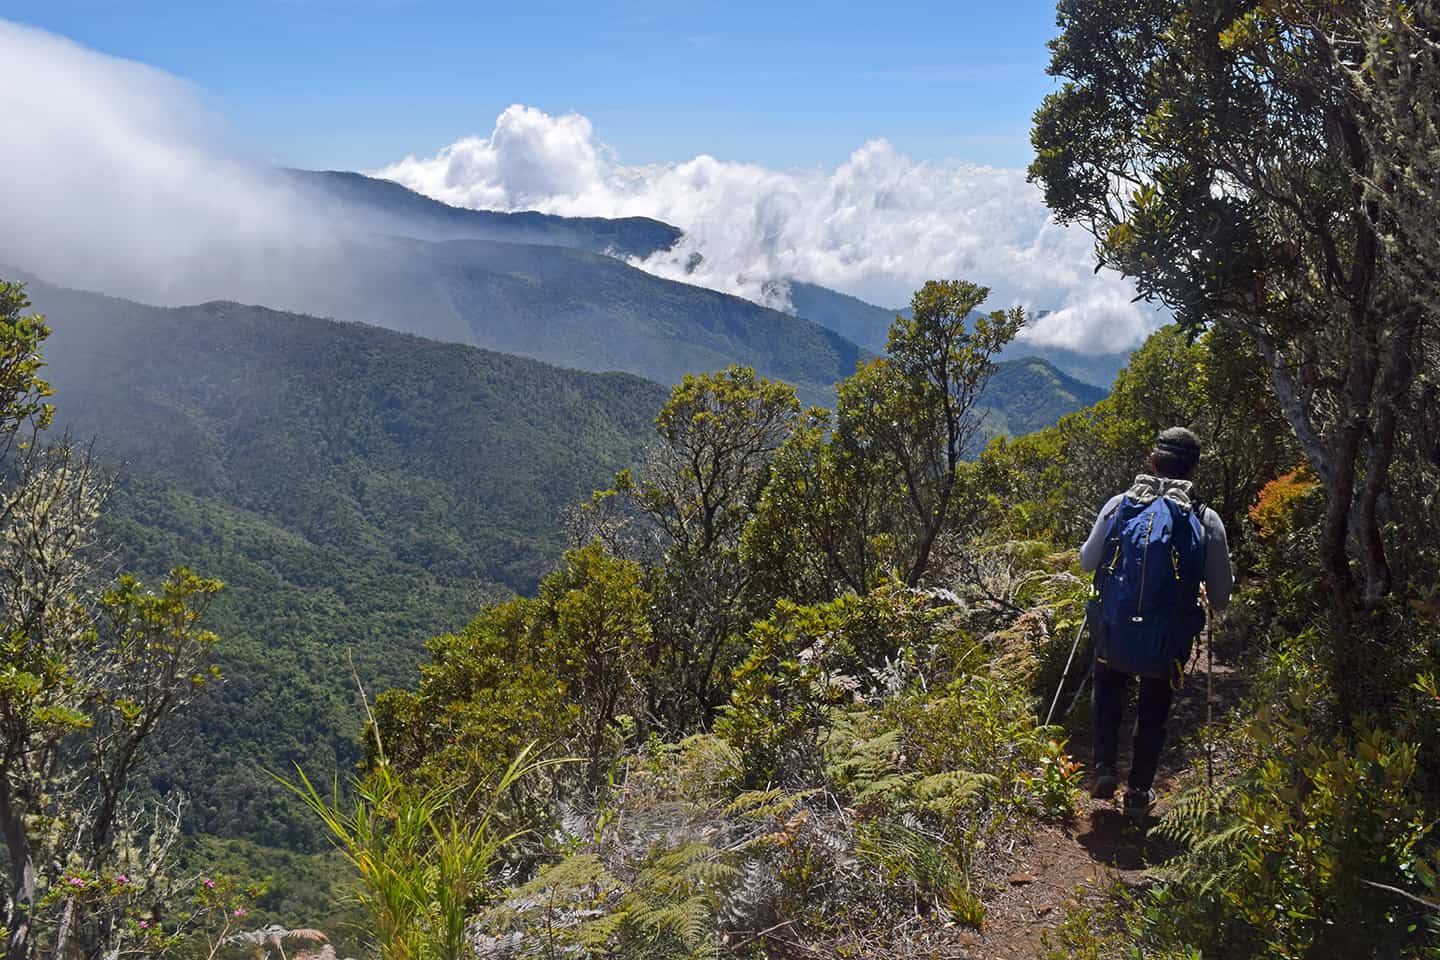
point(424, 865)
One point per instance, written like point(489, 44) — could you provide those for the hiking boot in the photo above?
point(1105, 782)
point(1138, 803)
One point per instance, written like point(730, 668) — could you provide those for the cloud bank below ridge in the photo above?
point(876, 227)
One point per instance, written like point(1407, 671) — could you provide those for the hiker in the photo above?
point(1143, 625)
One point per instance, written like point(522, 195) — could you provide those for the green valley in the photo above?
point(356, 489)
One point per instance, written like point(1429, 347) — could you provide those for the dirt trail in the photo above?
point(1066, 863)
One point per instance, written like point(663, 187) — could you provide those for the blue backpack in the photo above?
point(1149, 586)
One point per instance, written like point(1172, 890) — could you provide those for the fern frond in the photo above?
point(776, 804)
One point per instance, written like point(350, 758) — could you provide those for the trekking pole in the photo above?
point(1079, 693)
point(1050, 714)
point(1209, 700)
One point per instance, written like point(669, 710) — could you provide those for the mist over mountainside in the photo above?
point(373, 205)
point(537, 301)
point(876, 225)
point(529, 284)
point(356, 489)
point(556, 300)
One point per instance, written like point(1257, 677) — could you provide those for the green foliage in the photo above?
point(1110, 929)
point(1262, 167)
point(1056, 478)
point(1296, 857)
point(594, 621)
point(22, 390)
point(911, 416)
point(90, 668)
point(424, 859)
point(666, 907)
point(1031, 394)
point(870, 498)
point(987, 725)
point(485, 694)
point(198, 916)
point(806, 662)
point(359, 491)
point(82, 691)
point(687, 509)
point(1318, 839)
point(290, 887)
point(717, 433)
point(569, 670)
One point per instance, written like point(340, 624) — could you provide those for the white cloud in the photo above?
point(115, 177)
point(876, 227)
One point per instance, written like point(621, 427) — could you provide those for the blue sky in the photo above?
point(356, 85)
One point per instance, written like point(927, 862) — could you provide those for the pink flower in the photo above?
point(121, 878)
point(144, 924)
point(239, 911)
point(77, 882)
point(207, 883)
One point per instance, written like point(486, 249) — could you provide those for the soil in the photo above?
point(1066, 864)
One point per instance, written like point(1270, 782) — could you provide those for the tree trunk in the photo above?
point(1294, 408)
point(62, 933)
point(1333, 461)
point(1359, 386)
point(22, 878)
point(1394, 380)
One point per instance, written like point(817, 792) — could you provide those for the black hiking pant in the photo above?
point(1108, 704)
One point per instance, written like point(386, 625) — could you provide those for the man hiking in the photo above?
point(1151, 549)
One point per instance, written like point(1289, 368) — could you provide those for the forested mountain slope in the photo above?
point(576, 309)
point(357, 489)
point(548, 304)
point(1032, 394)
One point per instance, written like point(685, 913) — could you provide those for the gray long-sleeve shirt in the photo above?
point(1219, 578)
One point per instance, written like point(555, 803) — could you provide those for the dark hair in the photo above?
point(1176, 453)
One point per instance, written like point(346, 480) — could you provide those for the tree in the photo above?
point(819, 528)
point(691, 502)
point(1246, 164)
point(22, 390)
point(557, 672)
point(88, 672)
point(593, 617)
point(915, 410)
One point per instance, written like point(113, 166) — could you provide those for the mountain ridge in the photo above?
point(864, 324)
point(400, 210)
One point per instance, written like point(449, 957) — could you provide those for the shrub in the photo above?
point(805, 662)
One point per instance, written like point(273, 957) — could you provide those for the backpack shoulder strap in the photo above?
point(1200, 506)
point(1111, 545)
